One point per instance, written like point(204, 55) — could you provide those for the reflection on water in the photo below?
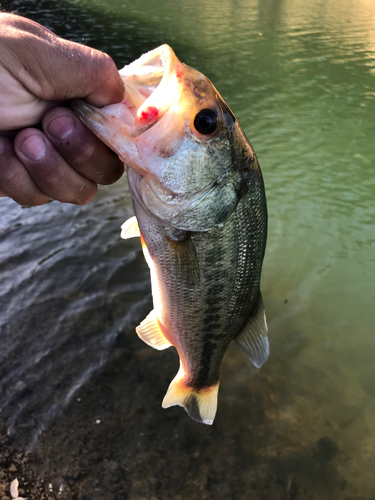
point(300, 77)
point(63, 272)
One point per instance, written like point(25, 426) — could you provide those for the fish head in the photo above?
point(173, 130)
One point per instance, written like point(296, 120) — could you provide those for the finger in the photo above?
point(50, 171)
point(53, 68)
point(80, 148)
point(15, 180)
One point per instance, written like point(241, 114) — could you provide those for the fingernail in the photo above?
point(61, 128)
point(34, 148)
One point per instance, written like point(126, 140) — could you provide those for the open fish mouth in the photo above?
point(151, 89)
point(151, 84)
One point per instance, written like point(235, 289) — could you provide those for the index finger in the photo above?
point(56, 69)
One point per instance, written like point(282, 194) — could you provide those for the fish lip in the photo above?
point(122, 134)
point(141, 95)
point(110, 130)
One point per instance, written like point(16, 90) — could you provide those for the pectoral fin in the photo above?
point(253, 339)
point(184, 259)
point(150, 332)
point(130, 229)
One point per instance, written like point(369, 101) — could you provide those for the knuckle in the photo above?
point(12, 177)
point(54, 176)
point(103, 68)
point(30, 196)
point(13, 21)
point(107, 66)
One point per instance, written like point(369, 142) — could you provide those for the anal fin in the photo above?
point(253, 339)
point(130, 229)
point(200, 405)
point(150, 332)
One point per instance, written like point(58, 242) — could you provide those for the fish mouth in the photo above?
point(151, 87)
point(151, 84)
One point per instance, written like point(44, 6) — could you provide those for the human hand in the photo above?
point(39, 73)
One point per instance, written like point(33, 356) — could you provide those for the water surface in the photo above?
point(77, 385)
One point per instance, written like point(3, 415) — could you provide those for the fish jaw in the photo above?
point(111, 130)
point(152, 85)
point(153, 79)
point(152, 130)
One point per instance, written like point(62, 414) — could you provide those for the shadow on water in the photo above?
point(82, 393)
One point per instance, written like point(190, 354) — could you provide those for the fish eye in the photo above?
point(206, 121)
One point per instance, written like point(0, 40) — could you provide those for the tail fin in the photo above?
point(200, 405)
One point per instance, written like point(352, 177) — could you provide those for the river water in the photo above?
point(80, 391)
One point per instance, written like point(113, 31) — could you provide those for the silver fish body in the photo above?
point(200, 207)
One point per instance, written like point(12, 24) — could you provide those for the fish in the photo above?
point(201, 214)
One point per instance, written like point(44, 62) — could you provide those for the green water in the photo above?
point(300, 76)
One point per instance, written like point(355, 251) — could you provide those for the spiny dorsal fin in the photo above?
point(200, 405)
point(253, 339)
point(130, 229)
point(150, 332)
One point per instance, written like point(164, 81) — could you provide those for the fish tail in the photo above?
point(200, 405)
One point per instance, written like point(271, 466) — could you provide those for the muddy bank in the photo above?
point(17, 465)
point(115, 442)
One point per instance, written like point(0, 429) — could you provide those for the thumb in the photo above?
point(56, 69)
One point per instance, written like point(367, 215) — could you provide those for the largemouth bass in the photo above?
point(200, 210)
